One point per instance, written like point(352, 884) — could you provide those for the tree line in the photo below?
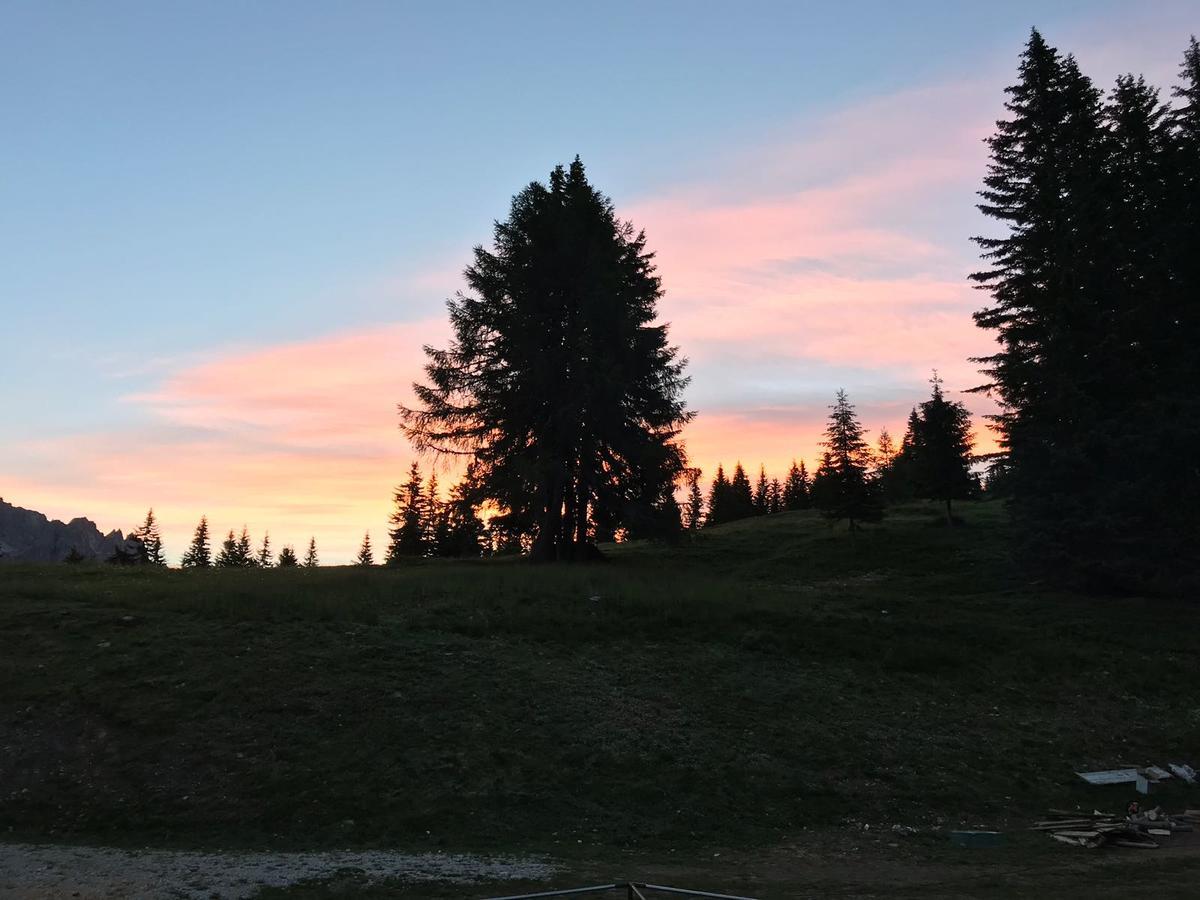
point(561, 395)
point(236, 552)
point(853, 481)
point(1094, 287)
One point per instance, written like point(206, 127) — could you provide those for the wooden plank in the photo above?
point(1069, 840)
point(1140, 845)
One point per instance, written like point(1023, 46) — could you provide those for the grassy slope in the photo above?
point(776, 675)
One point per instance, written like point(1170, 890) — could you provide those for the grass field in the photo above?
point(770, 689)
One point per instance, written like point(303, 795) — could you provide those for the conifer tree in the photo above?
point(775, 496)
point(741, 495)
point(693, 516)
point(885, 452)
point(409, 519)
point(821, 489)
point(1092, 318)
point(365, 556)
point(151, 540)
point(846, 489)
point(795, 489)
point(1184, 217)
point(762, 497)
point(940, 450)
point(460, 532)
point(245, 554)
point(310, 558)
point(227, 558)
point(198, 555)
point(435, 524)
point(899, 483)
point(559, 382)
point(719, 510)
point(287, 557)
point(264, 559)
point(228, 555)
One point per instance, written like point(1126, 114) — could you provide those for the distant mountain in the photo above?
point(28, 536)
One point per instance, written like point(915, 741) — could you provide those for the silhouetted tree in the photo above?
point(940, 450)
point(264, 552)
point(433, 519)
point(795, 489)
point(198, 555)
point(365, 556)
point(775, 496)
point(228, 557)
point(885, 452)
point(719, 510)
point(74, 556)
point(741, 495)
point(460, 532)
point(131, 552)
point(310, 558)
point(846, 489)
point(558, 383)
point(235, 552)
point(409, 519)
point(245, 554)
point(762, 498)
point(693, 510)
point(151, 540)
point(821, 491)
point(287, 557)
point(1092, 314)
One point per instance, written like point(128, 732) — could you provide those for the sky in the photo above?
point(227, 229)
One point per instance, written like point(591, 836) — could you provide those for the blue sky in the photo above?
point(186, 182)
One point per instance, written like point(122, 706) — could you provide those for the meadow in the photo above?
point(776, 690)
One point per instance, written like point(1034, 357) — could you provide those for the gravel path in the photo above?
point(44, 871)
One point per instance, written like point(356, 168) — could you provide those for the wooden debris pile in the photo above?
point(1142, 830)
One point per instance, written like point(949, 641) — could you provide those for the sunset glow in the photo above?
point(822, 247)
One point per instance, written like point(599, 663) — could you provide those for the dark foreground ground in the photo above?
point(779, 709)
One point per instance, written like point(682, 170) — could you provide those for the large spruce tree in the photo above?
point(559, 383)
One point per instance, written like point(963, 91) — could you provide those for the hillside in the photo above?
point(775, 678)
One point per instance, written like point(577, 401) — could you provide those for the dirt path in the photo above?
point(44, 871)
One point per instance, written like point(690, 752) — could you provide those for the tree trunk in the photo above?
point(581, 514)
point(545, 546)
point(949, 514)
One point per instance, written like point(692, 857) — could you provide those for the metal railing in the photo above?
point(634, 890)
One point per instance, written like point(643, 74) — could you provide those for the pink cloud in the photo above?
point(830, 255)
